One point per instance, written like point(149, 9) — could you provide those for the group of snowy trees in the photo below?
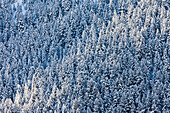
point(84, 56)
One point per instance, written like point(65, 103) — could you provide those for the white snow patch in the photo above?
point(20, 3)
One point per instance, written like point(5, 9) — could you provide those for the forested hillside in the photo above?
point(84, 56)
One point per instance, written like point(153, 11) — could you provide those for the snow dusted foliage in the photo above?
point(84, 56)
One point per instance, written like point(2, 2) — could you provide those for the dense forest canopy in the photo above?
point(84, 56)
